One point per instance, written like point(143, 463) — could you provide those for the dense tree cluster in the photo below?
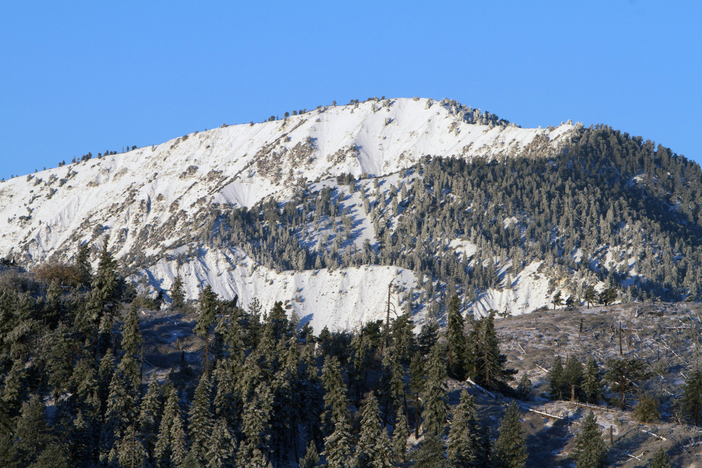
point(603, 193)
point(266, 394)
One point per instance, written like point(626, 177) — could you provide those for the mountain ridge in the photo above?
point(335, 173)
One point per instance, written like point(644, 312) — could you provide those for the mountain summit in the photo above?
point(325, 209)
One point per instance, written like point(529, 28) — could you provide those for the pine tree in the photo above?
point(556, 379)
point(524, 387)
point(311, 404)
point(311, 459)
point(208, 310)
point(623, 374)
point(176, 293)
point(660, 459)
point(149, 417)
point(430, 453)
point(83, 265)
point(392, 384)
point(572, 376)
point(338, 445)
point(130, 451)
point(400, 435)
point(31, 433)
point(692, 394)
point(510, 447)
point(200, 418)
point(402, 336)
point(130, 364)
point(464, 438)
point(164, 448)
point(427, 337)
point(456, 340)
point(178, 442)
point(222, 446)
point(592, 382)
point(103, 300)
point(119, 415)
point(227, 403)
point(256, 424)
point(374, 448)
point(590, 449)
point(590, 295)
point(435, 395)
point(489, 363)
point(557, 300)
point(416, 387)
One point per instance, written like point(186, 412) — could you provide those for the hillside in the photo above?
point(154, 202)
point(325, 209)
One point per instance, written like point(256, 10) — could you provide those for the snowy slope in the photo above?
point(149, 198)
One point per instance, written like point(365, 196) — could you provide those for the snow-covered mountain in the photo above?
point(153, 201)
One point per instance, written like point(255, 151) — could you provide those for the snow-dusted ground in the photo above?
point(340, 299)
point(150, 197)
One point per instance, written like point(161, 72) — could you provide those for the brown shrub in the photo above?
point(64, 274)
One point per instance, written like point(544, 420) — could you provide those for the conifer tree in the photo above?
point(622, 374)
point(227, 403)
point(176, 292)
point(130, 364)
point(416, 387)
point(489, 363)
point(53, 456)
point(178, 442)
point(208, 310)
point(589, 295)
point(130, 451)
point(402, 337)
point(400, 435)
point(278, 322)
point(692, 394)
point(464, 439)
point(428, 336)
point(311, 459)
point(103, 300)
point(556, 379)
point(392, 383)
point(374, 449)
point(660, 459)
point(311, 404)
point(256, 424)
point(557, 300)
point(592, 382)
point(120, 413)
point(222, 447)
point(83, 265)
point(572, 376)
point(163, 447)
point(430, 453)
point(338, 445)
point(435, 395)
point(200, 419)
point(510, 447)
point(456, 340)
point(31, 433)
point(149, 417)
point(524, 387)
point(590, 449)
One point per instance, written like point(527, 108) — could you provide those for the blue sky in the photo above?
point(94, 76)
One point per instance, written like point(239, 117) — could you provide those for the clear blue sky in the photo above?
point(92, 76)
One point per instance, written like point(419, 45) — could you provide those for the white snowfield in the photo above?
point(156, 193)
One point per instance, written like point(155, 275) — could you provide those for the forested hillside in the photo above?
point(94, 375)
point(607, 207)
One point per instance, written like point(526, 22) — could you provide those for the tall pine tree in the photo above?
point(510, 447)
point(435, 395)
